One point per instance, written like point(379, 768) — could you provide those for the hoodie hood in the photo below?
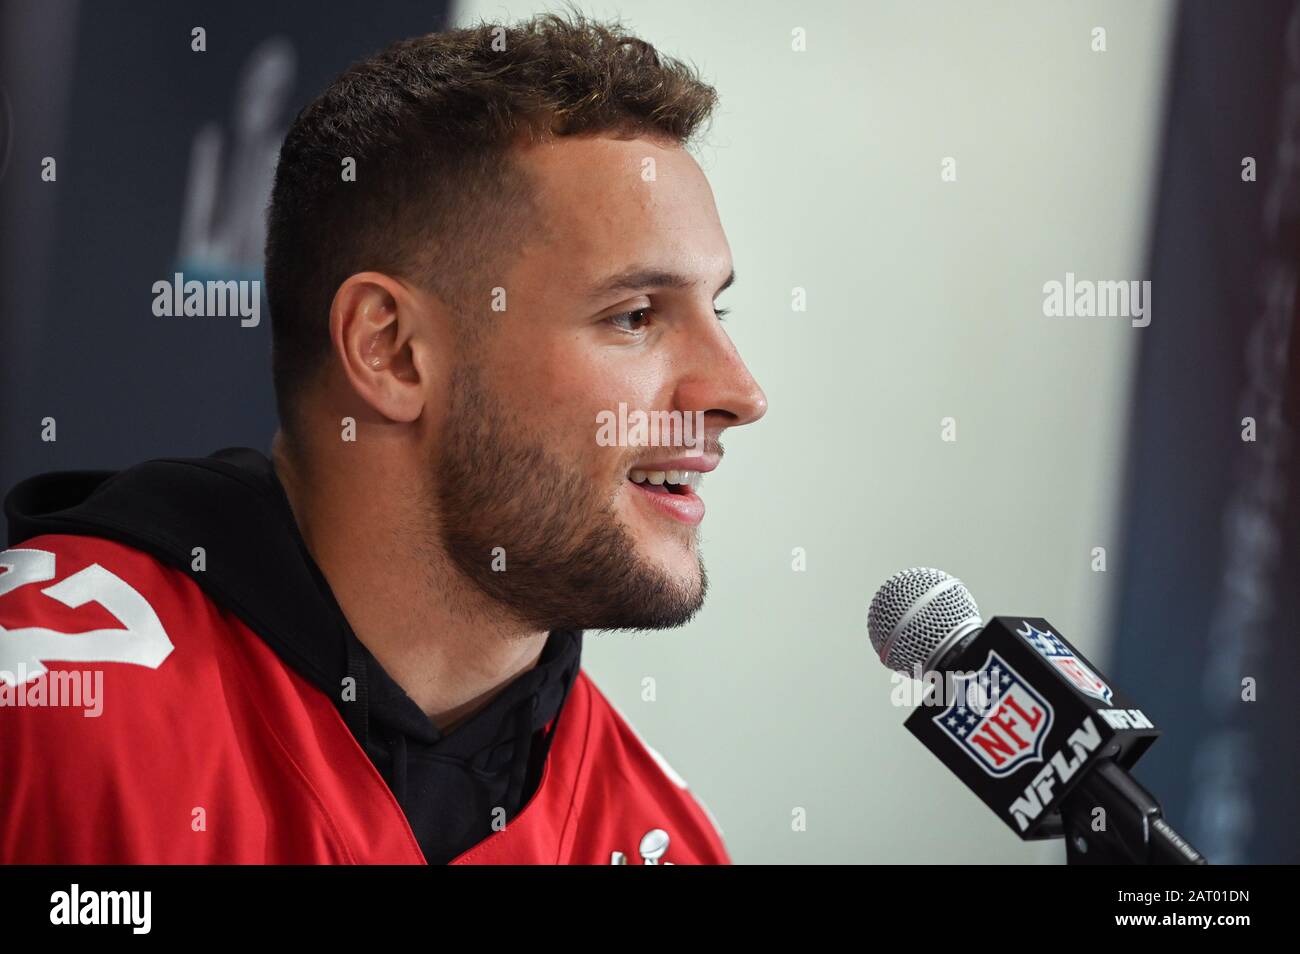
point(257, 566)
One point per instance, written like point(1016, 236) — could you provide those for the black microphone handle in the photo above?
point(1134, 833)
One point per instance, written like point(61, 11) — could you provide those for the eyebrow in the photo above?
point(638, 278)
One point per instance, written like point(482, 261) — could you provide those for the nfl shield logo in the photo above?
point(1049, 646)
point(997, 718)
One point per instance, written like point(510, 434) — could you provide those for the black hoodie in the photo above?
point(231, 504)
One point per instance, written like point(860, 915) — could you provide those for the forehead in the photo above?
point(607, 202)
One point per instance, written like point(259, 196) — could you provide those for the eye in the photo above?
point(721, 312)
point(630, 321)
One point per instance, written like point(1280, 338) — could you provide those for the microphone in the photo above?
point(1029, 724)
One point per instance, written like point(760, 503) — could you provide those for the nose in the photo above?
point(717, 380)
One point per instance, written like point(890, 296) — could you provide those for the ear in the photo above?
point(382, 336)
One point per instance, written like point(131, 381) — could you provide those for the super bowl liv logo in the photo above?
point(231, 171)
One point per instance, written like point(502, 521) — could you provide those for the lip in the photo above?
point(685, 508)
point(702, 464)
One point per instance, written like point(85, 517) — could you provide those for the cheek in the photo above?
point(561, 391)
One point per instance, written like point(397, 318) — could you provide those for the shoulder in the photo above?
point(649, 780)
point(120, 690)
point(89, 601)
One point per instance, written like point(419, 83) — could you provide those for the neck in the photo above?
point(446, 644)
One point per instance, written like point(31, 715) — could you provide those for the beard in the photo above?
point(570, 563)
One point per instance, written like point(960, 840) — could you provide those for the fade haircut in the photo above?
point(437, 198)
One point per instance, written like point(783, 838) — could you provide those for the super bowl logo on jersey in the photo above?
point(996, 717)
point(653, 846)
point(1048, 645)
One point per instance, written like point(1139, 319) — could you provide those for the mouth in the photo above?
point(670, 493)
point(680, 482)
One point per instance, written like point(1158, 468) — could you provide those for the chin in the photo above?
point(674, 554)
point(679, 565)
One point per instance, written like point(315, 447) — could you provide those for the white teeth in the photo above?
point(682, 478)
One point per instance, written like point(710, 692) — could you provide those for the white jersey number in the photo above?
point(23, 652)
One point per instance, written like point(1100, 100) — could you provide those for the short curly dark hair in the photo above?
point(437, 199)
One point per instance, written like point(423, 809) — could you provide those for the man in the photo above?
point(481, 244)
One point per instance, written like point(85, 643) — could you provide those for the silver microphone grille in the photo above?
point(918, 613)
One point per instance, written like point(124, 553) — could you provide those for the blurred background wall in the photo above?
point(919, 171)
